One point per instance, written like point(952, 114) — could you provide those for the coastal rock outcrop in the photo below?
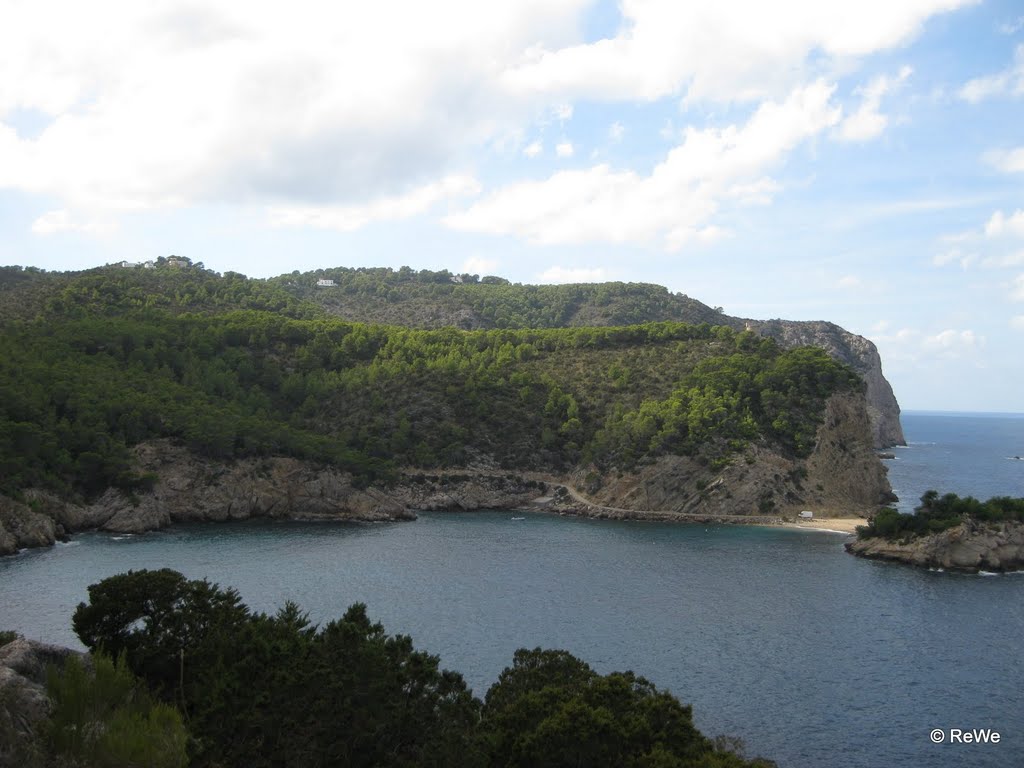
point(971, 546)
point(24, 703)
point(191, 488)
point(464, 490)
point(842, 477)
point(853, 350)
point(21, 526)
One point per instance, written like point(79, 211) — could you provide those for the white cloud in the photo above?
point(348, 218)
point(1006, 260)
point(62, 220)
point(478, 265)
point(916, 346)
point(1017, 290)
point(564, 149)
point(955, 255)
point(563, 112)
point(951, 339)
point(718, 51)
point(533, 149)
point(1012, 27)
point(328, 107)
point(867, 122)
point(952, 343)
point(1008, 82)
point(616, 131)
point(1006, 160)
point(1000, 224)
point(573, 275)
point(851, 282)
point(307, 103)
point(675, 203)
point(1017, 322)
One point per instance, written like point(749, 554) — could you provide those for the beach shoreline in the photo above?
point(844, 525)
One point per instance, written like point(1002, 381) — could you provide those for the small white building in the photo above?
point(807, 515)
point(326, 283)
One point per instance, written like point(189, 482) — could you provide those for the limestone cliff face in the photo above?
point(844, 472)
point(456, 490)
point(22, 527)
point(842, 477)
point(195, 489)
point(857, 352)
point(24, 704)
point(971, 547)
point(191, 488)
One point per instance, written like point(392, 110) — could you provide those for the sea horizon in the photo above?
point(980, 414)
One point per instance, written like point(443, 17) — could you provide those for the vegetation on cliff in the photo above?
point(259, 690)
point(117, 356)
point(428, 299)
point(939, 513)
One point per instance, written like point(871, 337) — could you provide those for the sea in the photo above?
point(812, 657)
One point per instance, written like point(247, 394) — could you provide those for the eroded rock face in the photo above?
point(857, 352)
point(842, 477)
point(191, 488)
point(971, 546)
point(24, 704)
point(464, 491)
point(22, 526)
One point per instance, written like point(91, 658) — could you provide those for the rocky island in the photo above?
point(948, 533)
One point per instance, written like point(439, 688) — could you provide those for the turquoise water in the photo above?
point(813, 657)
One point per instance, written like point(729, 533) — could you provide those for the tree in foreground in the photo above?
point(551, 709)
point(258, 690)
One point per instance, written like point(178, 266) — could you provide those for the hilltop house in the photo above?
point(325, 282)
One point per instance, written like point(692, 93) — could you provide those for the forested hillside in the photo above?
point(91, 364)
point(427, 299)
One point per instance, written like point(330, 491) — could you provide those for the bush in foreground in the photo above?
point(260, 690)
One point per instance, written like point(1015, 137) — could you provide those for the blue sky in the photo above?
point(859, 162)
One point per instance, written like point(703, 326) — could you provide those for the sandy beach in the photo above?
point(834, 524)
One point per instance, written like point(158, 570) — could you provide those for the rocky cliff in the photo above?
point(842, 477)
point(191, 489)
point(24, 704)
point(857, 352)
point(971, 546)
point(465, 490)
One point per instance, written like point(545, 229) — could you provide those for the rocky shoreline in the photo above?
point(45, 519)
point(843, 477)
point(970, 547)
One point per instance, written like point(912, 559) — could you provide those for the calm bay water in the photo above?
point(813, 657)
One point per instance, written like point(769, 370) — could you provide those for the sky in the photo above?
point(858, 162)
